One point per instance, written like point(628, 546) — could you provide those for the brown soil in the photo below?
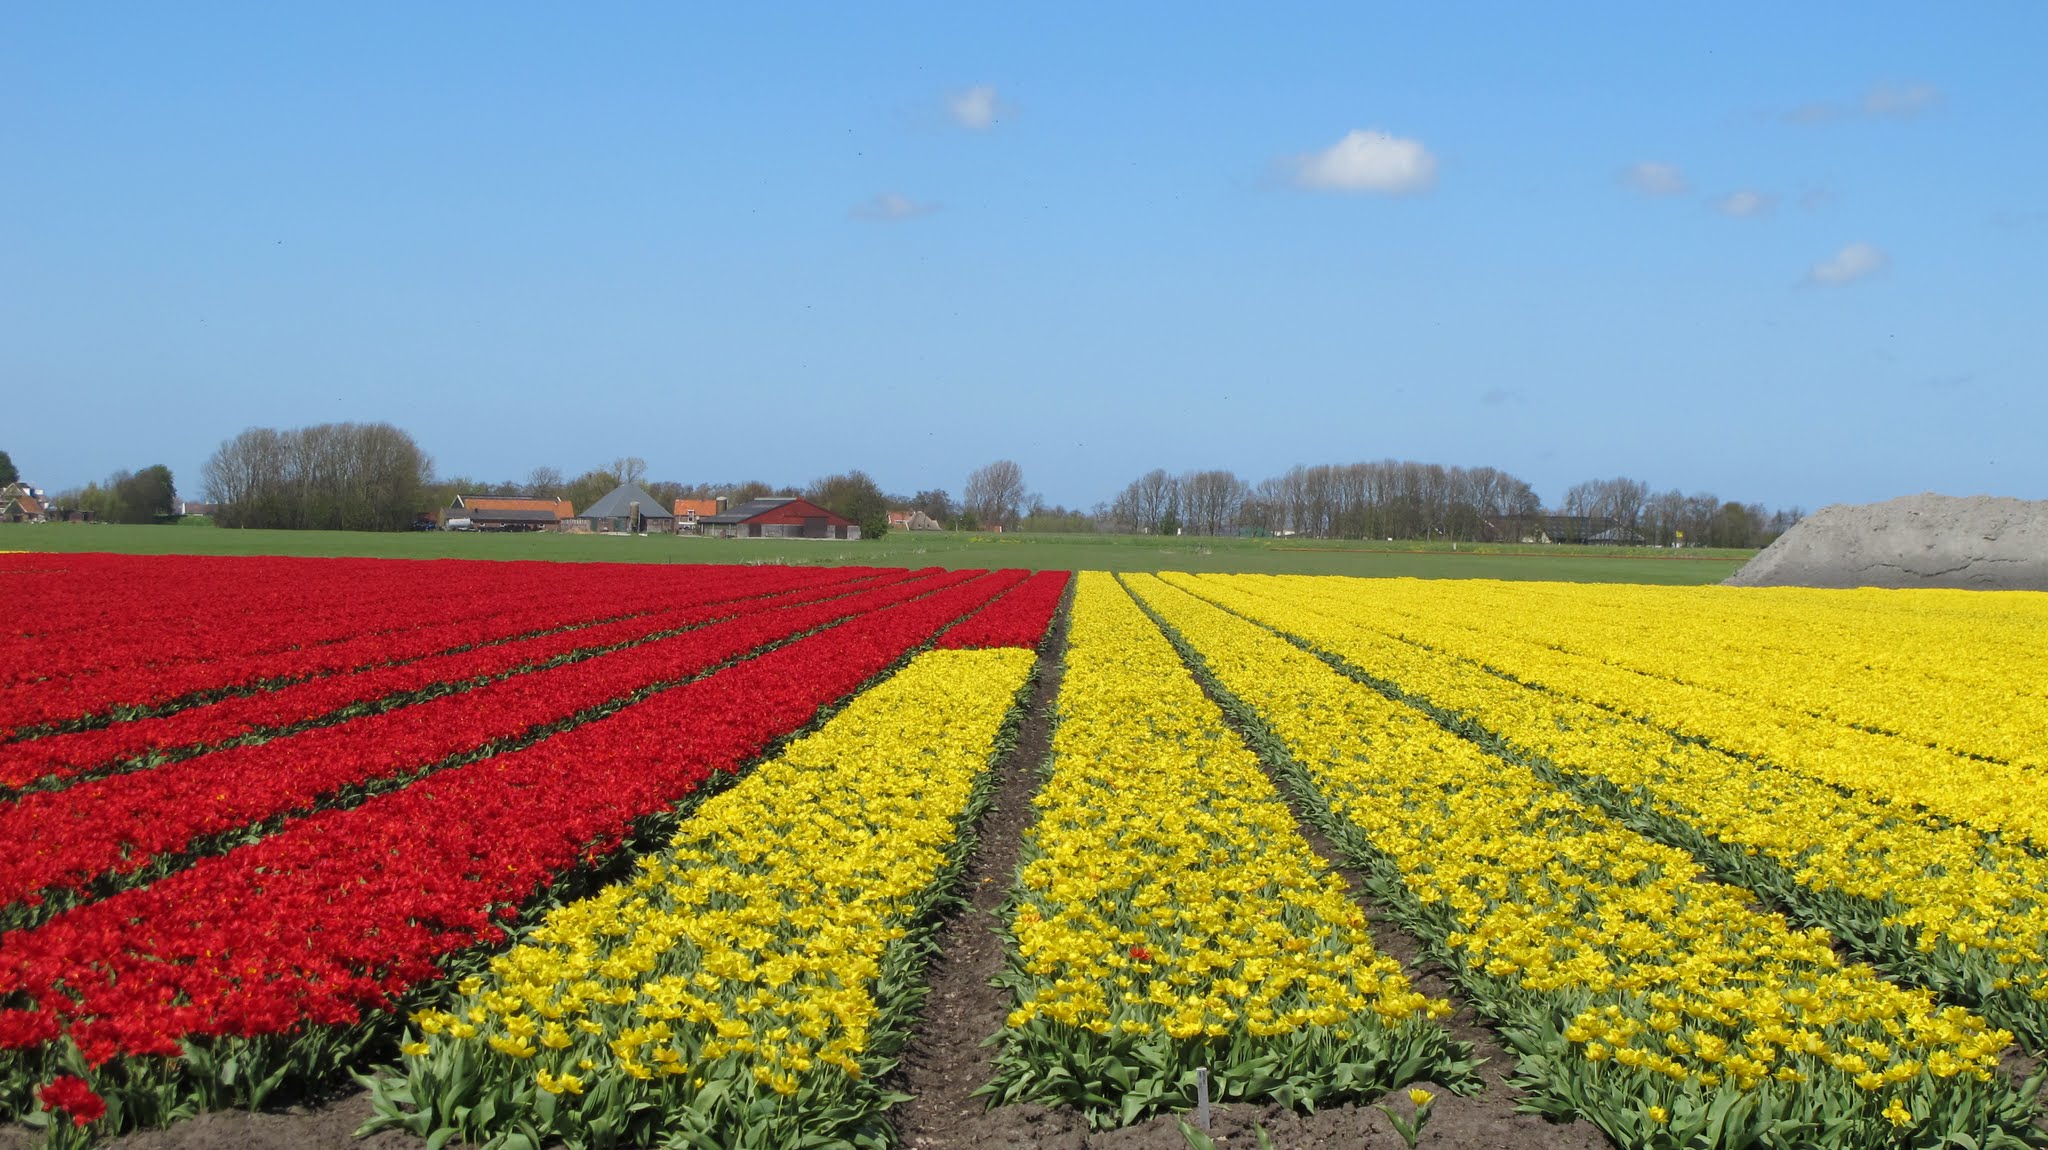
point(945, 1061)
point(328, 1127)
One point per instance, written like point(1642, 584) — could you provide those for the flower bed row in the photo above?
point(1638, 993)
point(110, 610)
point(1018, 619)
point(50, 762)
point(154, 820)
point(748, 984)
point(178, 678)
point(1169, 916)
point(1992, 795)
point(276, 961)
point(1858, 659)
point(1943, 905)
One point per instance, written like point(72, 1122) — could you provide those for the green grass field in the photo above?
point(933, 549)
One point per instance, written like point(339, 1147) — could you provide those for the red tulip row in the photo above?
point(65, 840)
point(57, 757)
point(1018, 619)
point(483, 617)
point(351, 909)
point(161, 610)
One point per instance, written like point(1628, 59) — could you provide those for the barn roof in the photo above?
point(620, 502)
point(511, 515)
point(701, 506)
point(559, 508)
point(768, 508)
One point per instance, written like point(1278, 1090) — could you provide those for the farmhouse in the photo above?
point(912, 521)
point(18, 504)
point(690, 511)
point(506, 513)
point(629, 509)
point(779, 518)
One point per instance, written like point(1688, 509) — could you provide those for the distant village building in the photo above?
point(628, 510)
point(1555, 529)
point(20, 503)
point(913, 521)
point(778, 518)
point(505, 513)
point(193, 507)
point(689, 513)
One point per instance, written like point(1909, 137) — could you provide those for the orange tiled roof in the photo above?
point(700, 506)
point(560, 507)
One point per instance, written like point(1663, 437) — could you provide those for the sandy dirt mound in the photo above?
point(1980, 543)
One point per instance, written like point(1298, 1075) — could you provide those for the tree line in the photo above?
point(350, 476)
point(1404, 499)
point(331, 476)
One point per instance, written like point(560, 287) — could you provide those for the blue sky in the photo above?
point(1792, 254)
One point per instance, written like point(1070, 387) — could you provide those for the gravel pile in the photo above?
point(1980, 543)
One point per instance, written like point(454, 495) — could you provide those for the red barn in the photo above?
point(780, 518)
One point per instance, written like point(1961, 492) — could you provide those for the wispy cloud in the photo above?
point(1368, 161)
point(1817, 198)
point(889, 207)
point(1903, 101)
point(976, 109)
point(1655, 179)
point(1746, 204)
point(1499, 396)
point(1881, 102)
point(1854, 262)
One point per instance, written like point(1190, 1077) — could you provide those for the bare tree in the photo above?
point(543, 482)
point(630, 469)
point(332, 476)
point(1211, 500)
point(1149, 502)
point(995, 494)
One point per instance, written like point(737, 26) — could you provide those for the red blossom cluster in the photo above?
point(1018, 619)
point(482, 648)
point(112, 631)
point(70, 1094)
point(346, 910)
point(122, 824)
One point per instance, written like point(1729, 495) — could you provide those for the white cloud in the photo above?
point(890, 206)
point(976, 108)
point(1746, 203)
point(1368, 161)
point(1881, 102)
point(1902, 101)
point(1852, 263)
point(1654, 179)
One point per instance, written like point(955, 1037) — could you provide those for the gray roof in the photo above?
point(517, 515)
point(748, 510)
point(620, 501)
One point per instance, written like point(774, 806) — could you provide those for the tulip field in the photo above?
point(616, 855)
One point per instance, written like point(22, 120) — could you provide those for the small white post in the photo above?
point(1202, 1097)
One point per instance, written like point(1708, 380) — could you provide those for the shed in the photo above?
point(629, 509)
point(507, 513)
point(690, 511)
point(783, 517)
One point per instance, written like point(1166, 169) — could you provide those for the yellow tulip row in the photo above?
point(1963, 910)
point(1859, 658)
point(1640, 993)
point(1770, 729)
point(1169, 914)
point(734, 986)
